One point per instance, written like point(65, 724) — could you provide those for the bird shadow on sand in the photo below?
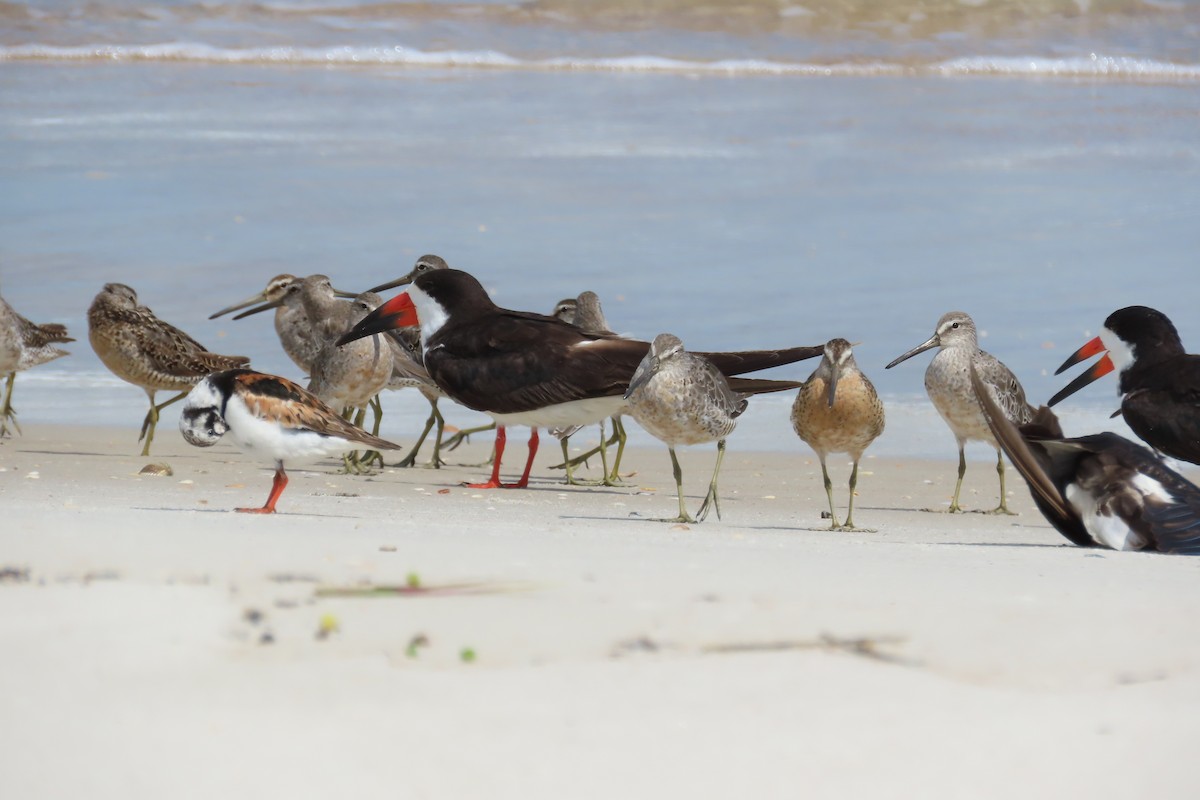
point(289, 514)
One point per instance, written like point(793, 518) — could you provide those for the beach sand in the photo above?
point(156, 645)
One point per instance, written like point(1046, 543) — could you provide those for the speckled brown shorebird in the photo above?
point(140, 348)
point(292, 324)
point(586, 313)
point(351, 377)
point(23, 345)
point(948, 383)
point(682, 398)
point(838, 411)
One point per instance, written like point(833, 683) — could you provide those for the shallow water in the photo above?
point(732, 206)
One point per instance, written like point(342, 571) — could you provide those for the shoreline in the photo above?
point(561, 646)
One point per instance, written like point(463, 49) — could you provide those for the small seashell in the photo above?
point(156, 469)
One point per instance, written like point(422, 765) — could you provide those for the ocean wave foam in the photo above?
point(1092, 66)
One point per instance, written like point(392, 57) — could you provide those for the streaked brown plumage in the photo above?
point(140, 348)
point(838, 411)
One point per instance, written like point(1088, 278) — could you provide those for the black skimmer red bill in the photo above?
point(523, 368)
point(1159, 381)
point(269, 415)
point(1100, 490)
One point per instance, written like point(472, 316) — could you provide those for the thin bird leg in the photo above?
point(567, 461)
point(151, 421)
point(436, 462)
point(498, 454)
point(712, 496)
point(614, 478)
point(829, 493)
point(377, 407)
point(281, 481)
point(962, 470)
point(463, 436)
point(411, 459)
point(582, 459)
point(684, 516)
point(363, 462)
point(1003, 507)
point(9, 414)
point(849, 526)
point(533, 448)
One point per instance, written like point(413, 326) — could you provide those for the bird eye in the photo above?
point(954, 325)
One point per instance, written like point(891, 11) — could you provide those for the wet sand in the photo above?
point(561, 644)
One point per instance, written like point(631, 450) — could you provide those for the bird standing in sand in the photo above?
point(948, 383)
point(838, 411)
point(140, 348)
point(682, 398)
point(269, 415)
point(24, 344)
point(351, 377)
point(586, 314)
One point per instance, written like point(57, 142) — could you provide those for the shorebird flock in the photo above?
point(567, 370)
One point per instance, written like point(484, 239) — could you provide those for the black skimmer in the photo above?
point(681, 398)
point(837, 410)
point(420, 377)
point(1101, 490)
point(24, 344)
point(523, 368)
point(948, 383)
point(1159, 381)
point(269, 415)
point(142, 349)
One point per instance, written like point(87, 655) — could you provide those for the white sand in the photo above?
point(615, 656)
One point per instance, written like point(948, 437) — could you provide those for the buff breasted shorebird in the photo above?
point(292, 324)
point(586, 313)
point(948, 383)
point(24, 344)
point(140, 348)
point(838, 411)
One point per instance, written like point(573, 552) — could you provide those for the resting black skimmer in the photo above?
point(269, 415)
point(1159, 381)
point(522, 368)
point(1101, 490)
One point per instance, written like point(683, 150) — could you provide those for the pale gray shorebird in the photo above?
point(838, 411)
point(352, 377)
point(23, 345)
point(140, 348)
point(292, 324)
point(268, 415)
point(586, 313)
point(681, 398)
point(948, 383)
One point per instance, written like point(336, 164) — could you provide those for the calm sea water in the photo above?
point(763, 174)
